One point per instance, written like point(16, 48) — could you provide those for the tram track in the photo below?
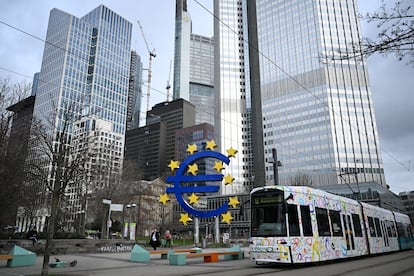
point(362, 269)
point(378, 264)
point(398, 264)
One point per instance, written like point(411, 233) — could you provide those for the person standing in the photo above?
point(155, 239)
point(168, 239)
point(32, 235)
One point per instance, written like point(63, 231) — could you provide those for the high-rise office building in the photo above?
point(317, 111)
point(181, 85)
point(85, 72)
point(408, 202)
point(18, 143)
point(35, 84)
point(232, 112)
point(202, 77)
point(145, 149)
point(135, 92)
point(193, 66)
point(150, 148)
point(176, 115)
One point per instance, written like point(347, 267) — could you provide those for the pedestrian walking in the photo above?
point(155, 239)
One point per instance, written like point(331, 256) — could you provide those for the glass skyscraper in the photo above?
point(85, 72)
point(202, 77)
point(232, 116)
point(86, 62)
point(317, 111)
point(135, 92)
point(193, 66)
point(181, 85)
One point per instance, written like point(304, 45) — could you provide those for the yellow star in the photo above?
point(233, 201)
point(211, 145)
point(228, 179)
point(184, 218)
point(174, 165)
point(193, 169)
point(164, 198)
point(226, 217)
point(231, 152)
point(193, 198)
point(191, 148)
point(218, 166)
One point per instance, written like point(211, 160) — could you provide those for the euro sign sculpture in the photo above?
point(180, 177)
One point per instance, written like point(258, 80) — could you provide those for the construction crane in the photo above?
point(151, 56)
point(168, 83)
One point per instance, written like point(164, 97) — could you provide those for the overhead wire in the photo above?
point(78, 56)
point(297, 82)
point(164, 93)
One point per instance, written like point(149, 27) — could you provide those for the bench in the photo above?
point(141, 255)
point(6, 257)
point(19, 256)
point(208, 257)
point(165, 253)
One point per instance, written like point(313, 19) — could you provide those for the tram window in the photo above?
point(401, 230)
point(323, 222)
point(357, 225)
point(371, 227)
point(393, 230)
point(409, 231)
point(388, 224)
point(268, 220)
point(293, 220)
point(306, 221)
point(378, 227)
point(336, 223)
point(404, 230)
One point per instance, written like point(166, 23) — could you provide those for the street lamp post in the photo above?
point(276, 164)
point(79, 222)
point(82, 223)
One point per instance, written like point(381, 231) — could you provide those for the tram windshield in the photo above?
point(268, 214)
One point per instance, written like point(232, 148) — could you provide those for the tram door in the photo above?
point(349, 234)
point(385, 234)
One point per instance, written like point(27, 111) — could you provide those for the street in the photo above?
point(109, 264)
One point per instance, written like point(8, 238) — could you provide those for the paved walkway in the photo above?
point(109, 264)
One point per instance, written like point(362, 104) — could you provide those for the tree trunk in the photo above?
point(50, 234)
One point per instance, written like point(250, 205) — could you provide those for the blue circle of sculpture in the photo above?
point(179, 177)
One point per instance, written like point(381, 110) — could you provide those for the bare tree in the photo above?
point(396, 31)
point(53, 166)
point(395, 34)
point(117, 192)
point(149, 212)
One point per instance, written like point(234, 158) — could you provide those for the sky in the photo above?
point(392, 82)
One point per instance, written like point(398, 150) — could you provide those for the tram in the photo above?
point(299, 224)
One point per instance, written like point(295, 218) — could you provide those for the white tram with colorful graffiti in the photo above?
point(298, 224)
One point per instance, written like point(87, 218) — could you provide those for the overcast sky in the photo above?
point(392, 82)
